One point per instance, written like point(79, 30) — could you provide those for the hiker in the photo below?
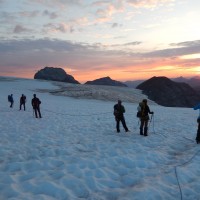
point(22, 102)
point(36, 106)
point(198, 131)
point(11, 100)
point(119, 111)
point(143, 112)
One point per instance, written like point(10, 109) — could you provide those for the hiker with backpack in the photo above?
point(36, 106)
point(143, 114)
point(22, 102)
point(119, 111)
point(11, 100)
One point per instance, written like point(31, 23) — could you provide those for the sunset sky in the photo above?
point(123, 39)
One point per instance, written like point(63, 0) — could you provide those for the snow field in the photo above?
point(74, 152)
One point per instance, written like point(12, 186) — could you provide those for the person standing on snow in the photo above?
point(36, 106)
point(144, 117)
point(119, 111)
point(198, 131)
point(11, 100)
point(22, 102)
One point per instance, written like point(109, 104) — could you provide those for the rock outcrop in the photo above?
point(106, 81)
point(166, 92)
point(55, 74)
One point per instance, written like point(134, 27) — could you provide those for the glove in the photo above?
point(152, 113)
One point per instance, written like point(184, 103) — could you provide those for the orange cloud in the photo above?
point(148, 3)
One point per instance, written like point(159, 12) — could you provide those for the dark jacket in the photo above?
point(36, 102)
point(119, 110)
point(145, 111)
point(23, 99)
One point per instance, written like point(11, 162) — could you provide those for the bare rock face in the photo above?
point(166, 92)
point(55, 74)
point(106, 81)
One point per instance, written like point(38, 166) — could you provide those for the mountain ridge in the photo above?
point(169, 93)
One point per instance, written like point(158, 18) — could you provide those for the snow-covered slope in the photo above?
point(74, 152)
point(99, 92)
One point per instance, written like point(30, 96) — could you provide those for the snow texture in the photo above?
point(73, 152)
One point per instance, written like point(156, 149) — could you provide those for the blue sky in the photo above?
point(123, 39)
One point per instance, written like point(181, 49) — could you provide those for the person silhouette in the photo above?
point(36, 106)
point(144, 118)
point(119, 111)
point(11, 100)
point(198, 131)
point(22, 102)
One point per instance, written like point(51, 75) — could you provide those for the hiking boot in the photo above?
point(145, 131)
point(141, 131)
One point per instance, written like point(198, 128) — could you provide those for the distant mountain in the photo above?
point(55, 74)
point(194, 82)
point(166, 92)
point(180, 79)
point(133, 84)
point(106, 81)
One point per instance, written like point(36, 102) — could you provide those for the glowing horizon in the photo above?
point(122, 39)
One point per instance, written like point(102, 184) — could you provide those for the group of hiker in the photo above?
point(142, 114)
point(35, 104)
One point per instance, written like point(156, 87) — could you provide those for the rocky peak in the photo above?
point(55, 74)
point(106, 81)
point(169, 93)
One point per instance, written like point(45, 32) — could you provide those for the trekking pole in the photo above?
point(33, 112)
point(152, 119)
point(153, 123)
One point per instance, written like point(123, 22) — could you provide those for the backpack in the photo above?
point(139, 110)
point(23, 99)
point(139, 114)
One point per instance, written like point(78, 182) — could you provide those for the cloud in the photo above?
point(55, 45)
point(51, 15)
point(39, 45)
point(7, 17)
point(61, 27)
point(82, 21)
point(56, 3)
point(148, 3)
point(127, 44)
point(107, 9)
point(69, 27)
point(114, 25)
point(100, 3)
point(187, 43)
point(30, 14)
point(83, 58)
point(20, 29)
point(188, 47)
point(133, 43)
